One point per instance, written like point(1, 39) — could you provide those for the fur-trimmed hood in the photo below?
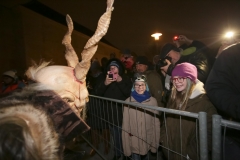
point(198, 89)
point(42, 130)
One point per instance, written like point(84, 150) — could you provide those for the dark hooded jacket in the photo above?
point(223, 84)
point(113, 112)
point(223, 87)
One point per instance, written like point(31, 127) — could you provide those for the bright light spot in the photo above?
point(229, 34)
point(156, 35)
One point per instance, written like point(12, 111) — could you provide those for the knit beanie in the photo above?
point(185, 70)
point(10, 73)
point(114, 63)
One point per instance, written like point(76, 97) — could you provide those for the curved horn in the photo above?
point(90, 48)
point(70, 54)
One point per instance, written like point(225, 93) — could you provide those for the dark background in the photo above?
point(133, 21)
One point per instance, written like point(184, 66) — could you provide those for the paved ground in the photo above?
point(89, 154)
point(84, 146)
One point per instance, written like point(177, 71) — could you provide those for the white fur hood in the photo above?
point(198, 89)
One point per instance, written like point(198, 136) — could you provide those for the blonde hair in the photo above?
point(178, 100)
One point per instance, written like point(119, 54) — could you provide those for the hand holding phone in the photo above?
point(112, 75)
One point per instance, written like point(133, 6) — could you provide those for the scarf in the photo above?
point(140, 97)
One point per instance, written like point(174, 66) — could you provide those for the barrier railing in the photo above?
point(219, 129)
point(101, 117)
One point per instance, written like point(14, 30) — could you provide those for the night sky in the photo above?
point(133, 21)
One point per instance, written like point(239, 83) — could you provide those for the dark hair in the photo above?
point(167, 48)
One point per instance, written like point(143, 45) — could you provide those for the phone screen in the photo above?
point(110, 75)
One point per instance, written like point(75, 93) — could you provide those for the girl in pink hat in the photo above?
point(179, 134)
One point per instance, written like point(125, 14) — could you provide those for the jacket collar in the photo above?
point(198, 90)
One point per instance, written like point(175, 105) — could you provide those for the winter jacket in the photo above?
point(223, 88)
point(140, 128)
point(9, 88)
point(223, 84)
point(171, 137)
point(154, 82)
point(115, 90)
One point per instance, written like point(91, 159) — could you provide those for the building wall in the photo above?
point(27, 35)
point(11, 40)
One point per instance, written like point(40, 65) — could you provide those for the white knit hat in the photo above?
point(141, 78)
point(10, 73)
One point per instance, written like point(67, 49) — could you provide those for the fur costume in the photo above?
point(67, 123)
point(45, 138)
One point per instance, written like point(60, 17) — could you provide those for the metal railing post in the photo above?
point(203, 136)
point(216, 137)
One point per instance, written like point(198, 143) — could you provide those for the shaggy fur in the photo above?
point(67, 123)
point(31, 72)
point(45, 139)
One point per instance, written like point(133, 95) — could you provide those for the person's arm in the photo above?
point(125, 86)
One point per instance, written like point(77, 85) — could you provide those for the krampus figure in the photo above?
point(59, 92)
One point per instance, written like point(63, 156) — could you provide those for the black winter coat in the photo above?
point(223, 84)
point(116, 90)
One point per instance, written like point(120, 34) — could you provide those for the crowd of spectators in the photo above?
point(184, 77)
point(187, 62)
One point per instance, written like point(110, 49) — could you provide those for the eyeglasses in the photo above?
point(178, 79)
point(139, 85)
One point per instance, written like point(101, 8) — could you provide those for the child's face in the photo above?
point(180, 83)
point(140, 87)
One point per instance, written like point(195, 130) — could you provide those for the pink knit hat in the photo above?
point(185, 70)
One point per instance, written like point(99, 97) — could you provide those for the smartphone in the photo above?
point(112, 75)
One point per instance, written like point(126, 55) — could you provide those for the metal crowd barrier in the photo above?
point(98, 115)
point(219, 129)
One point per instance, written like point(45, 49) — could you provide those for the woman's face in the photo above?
point(140, 87)
point(114, 69)
point(180, 83)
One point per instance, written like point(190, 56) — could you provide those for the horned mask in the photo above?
point(69, 81)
